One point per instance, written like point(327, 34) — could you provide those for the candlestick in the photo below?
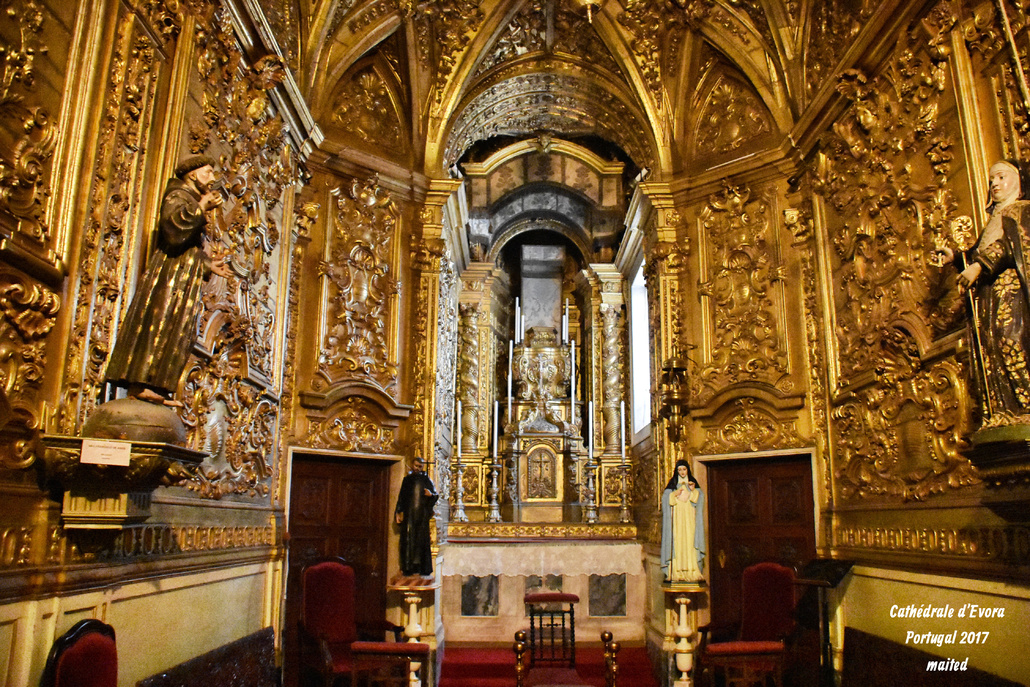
point(511, 354)
point(518, 318)
point(572, 386)
point(565, 324)
point(457, 430)
point(622, 428)
point(590, 431)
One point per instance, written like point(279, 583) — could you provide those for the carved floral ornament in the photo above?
point(900, 437)
point(24, 161)
point(730, 117)
point(353, 427)
point(365, 109)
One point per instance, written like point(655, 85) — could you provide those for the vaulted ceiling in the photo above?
point(666, 82)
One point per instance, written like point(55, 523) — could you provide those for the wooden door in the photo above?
point(338, 507)
point(758, 510)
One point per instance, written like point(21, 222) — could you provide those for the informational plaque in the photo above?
point(106, 452)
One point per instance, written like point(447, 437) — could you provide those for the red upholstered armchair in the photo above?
point(84, 656)
point(328, 629)
point(767, 618)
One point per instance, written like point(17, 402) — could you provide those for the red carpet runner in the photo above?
point(495, 667)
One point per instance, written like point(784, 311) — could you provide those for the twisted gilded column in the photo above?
point(468, 376)
point(611, 375)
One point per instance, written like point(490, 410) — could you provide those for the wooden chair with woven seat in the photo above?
point(767, 619)
point(84, 656)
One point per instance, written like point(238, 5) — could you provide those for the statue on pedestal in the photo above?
point(995, 271)
point(683, 527)
point(157, 336)
point(413, 513)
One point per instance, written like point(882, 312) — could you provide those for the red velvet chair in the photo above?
point(328, 628)
point(84, 656)
point(767, 618)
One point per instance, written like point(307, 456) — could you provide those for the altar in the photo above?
point(484, 584)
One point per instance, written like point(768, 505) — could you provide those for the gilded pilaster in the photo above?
point(429, 261)
point(666, 248)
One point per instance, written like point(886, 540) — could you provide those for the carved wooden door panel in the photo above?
point(759, 510)
point(338, 507)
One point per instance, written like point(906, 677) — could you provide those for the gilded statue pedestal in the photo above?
point(110, 497)
point(1001, 455)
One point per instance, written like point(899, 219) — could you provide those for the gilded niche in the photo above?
point(740, 283)
point(360, 287)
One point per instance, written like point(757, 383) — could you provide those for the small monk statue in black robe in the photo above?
point(413, 513)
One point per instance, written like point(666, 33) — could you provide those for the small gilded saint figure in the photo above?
point(995, 272)
point(156, 338)
point(683, 527)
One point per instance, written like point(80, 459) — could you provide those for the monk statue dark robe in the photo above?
point(156, 338)
point(413, 513)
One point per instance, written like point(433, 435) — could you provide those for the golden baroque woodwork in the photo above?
point(526, 33)
point(901, 436)
point(900, 415)
point(427, 256)
point(365, 109)
point(354, 426)
point(731, 116)
point(234, 421)
point(28, 312)
point(28, 134)
point(741, 284)
point(361, 288)
point(116, 195)
point(654, 24)
point(746, 424)
point(231, 399)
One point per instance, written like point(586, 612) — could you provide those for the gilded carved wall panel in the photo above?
point(359, 296)
point(232, 391)
point(900, 415)
point(742, 294)
point(113, 232)
point(355, 425)
point(28, 131)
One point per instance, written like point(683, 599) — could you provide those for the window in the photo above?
point(640, 353)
